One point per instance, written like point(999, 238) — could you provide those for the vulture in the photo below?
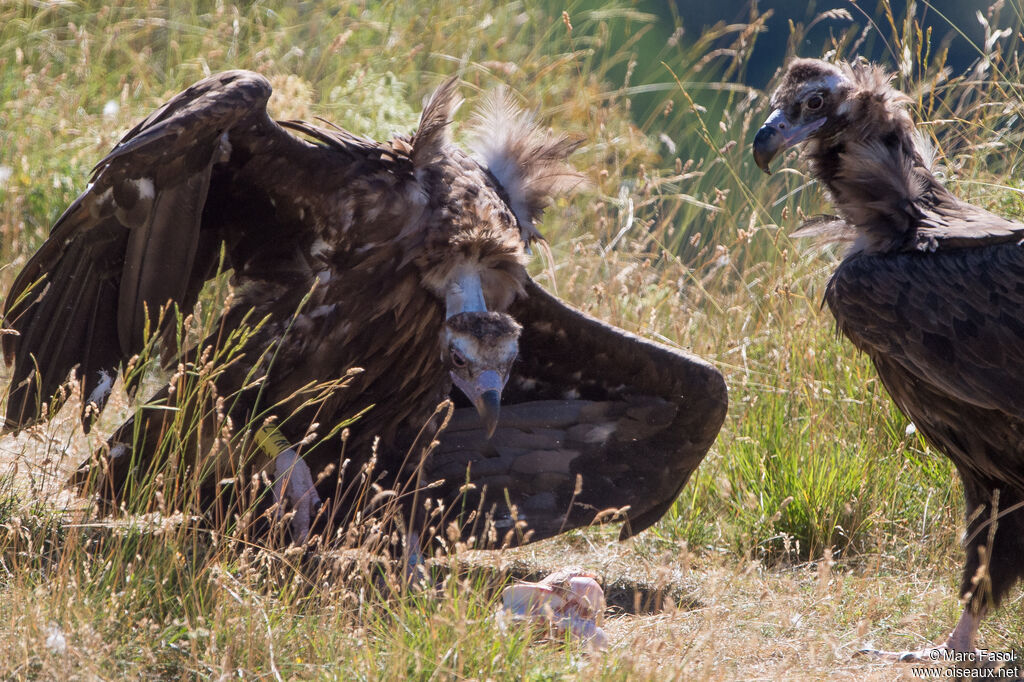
point(932, 290)
point(386, 342)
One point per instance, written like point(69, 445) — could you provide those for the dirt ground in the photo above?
point(714, 618)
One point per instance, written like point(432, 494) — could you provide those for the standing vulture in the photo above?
point(404, 259)
point(933, 291)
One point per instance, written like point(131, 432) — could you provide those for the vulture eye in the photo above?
point(814, 102)
point(457, 359)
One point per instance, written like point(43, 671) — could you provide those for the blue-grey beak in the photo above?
point(489, 407)
point(485, 393)
point(777, 134)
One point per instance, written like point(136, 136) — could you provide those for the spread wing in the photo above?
point(207, 169)
point(593, 419)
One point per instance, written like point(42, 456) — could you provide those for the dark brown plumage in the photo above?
point(932, 290)
point(403, 258)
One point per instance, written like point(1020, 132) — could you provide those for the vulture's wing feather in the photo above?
point(594, 419)
point(952, 318)
point(945, 330)
point(84, 327)
point(140, 237)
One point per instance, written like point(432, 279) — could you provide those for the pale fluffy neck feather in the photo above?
point(528, 163)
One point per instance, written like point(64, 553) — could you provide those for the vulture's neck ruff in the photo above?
point(861, 144)
point(527, 163)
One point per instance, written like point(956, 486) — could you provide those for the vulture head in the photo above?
point(478, 349)
point(859, 141)
point(478, 344)
point(495, 199)
point(825, 104)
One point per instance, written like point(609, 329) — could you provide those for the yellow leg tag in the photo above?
point(271, 441)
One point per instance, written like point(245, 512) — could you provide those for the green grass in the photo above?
point(678, 237)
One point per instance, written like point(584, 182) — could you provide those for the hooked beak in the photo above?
point(778, 134)
point(489, 406)
point(485, 394)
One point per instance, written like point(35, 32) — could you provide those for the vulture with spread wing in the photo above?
point(404, 259)
point(933, 291)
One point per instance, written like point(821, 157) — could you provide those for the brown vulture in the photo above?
point(405, 259)
point(932, 290)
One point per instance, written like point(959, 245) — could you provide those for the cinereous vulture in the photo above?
point(405, 259)
point(933, 291)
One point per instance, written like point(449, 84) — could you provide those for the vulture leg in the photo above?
point(140, 448)
point(294, 485)
point(995, 543)
point(415, 567)
point(966, 630)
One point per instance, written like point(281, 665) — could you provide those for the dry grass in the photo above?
point(679, 238)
